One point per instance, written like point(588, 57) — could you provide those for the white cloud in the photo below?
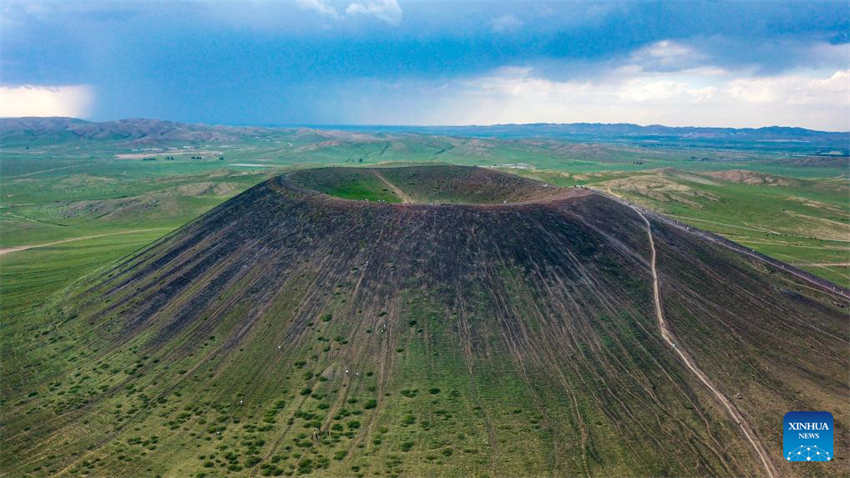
point(665, 82)
point(506, 24)
point(385, 10)
point(704, 96)
point(692, 97)
point(318, 6)
point(795, 89)
point(654, 89)
point(666, 55)
point(669, 51)
point(25, 100)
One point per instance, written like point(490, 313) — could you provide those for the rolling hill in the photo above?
point(771, 138)
point(52, 130)
point(422, 321)
point(151, 132)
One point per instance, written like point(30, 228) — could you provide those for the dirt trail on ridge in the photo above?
point(398, 192)
point(668, 337)
point(72, 239)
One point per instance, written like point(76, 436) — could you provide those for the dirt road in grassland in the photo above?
point(398, 192)
point(668, 337)
point(821, 264)
point(82, 238)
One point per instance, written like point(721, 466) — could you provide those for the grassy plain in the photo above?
point(795, 208)
point(129, 195)
point(356, 340)
point(804, 221)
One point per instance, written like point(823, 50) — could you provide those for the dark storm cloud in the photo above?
point(274, 61)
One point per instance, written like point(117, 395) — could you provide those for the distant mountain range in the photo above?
point(770, 138)
point(55, 129)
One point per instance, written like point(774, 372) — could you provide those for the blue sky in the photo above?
point(430, 62)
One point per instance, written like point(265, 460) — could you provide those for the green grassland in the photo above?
point(802, 221)
point(360, 184)
point(797, 210)
point(798, 213)
point(353, 339)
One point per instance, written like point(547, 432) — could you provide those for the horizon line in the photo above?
point(471, 125)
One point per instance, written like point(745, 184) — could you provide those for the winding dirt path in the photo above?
point(668, 337)
point(818, 283)
point(40, 171)
point(398, 192)
point(821, 264)
point(81, 238)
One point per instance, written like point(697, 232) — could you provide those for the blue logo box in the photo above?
point(808, 436)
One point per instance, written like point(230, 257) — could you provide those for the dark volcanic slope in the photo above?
point(288, 331)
